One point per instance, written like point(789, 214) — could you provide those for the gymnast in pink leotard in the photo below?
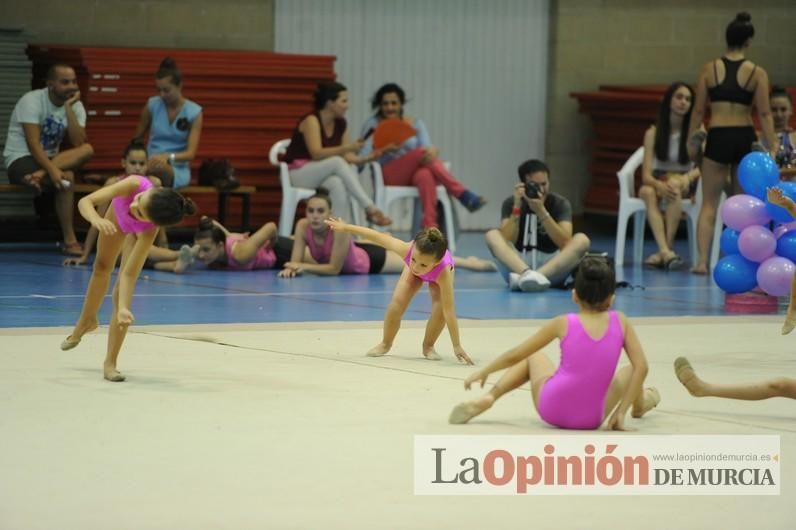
point(317, 249)
point(128, 228)
point(427, 261)
point(586, 387)
point(220, 249)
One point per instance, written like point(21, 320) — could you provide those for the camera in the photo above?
point(532, 190)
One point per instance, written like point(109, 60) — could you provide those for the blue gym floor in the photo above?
point(37, 291)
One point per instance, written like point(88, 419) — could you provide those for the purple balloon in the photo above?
point(783, 229)
point(775, 274)
point(757, 243)
point(740, 211)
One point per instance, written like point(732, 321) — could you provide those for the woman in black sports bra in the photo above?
point(731, 84)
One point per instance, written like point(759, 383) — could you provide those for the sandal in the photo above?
point(471, 201)
point(476, 205)
point(377, 217)
point(654, 262)
point(674, 263)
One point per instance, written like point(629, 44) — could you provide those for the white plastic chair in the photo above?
point(386, 195)
point(632, 206)
point(292, 195)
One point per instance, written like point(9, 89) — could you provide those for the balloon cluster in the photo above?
point(753, 254)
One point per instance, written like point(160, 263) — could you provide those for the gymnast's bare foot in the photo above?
point(699, 269)
point(464, 412)
point(77, 334)
point(790, 322)
point(379, 349)
point(431, 354)
point(112, 374)
point(186, 257)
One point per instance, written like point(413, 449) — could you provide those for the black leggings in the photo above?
point(377, 255)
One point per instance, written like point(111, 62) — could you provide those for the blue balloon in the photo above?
point(729, 241)
point(778, 213)
point(757, 172)
point(735, 274)
point(786, 246)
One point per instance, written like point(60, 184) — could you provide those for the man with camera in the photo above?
point(558, 250)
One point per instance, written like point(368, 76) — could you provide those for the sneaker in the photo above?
point(531, 281)
point(471, 201)
point(514, 281)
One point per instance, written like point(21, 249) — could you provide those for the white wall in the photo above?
point(474, 70)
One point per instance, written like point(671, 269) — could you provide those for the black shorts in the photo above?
point(26, 165)
point(283, 247)
point(728, 145)
point(376, 254)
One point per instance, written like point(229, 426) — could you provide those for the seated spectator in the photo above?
point(38, 124)
point(174, 125)
point(415, 162)
point(321, 153)
point(668, 175)
point(558, 250)
point(781, 111)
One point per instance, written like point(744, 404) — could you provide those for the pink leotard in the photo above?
point(433, 274)
point(121, 207)
point(265, 258)
point(574, 396)
point(356, 261)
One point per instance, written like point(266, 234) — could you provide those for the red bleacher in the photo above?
point(249, 100)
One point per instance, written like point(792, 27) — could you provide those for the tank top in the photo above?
point(121, 207)
point(356, 261)
point(672, 163)
point(433, 274)
point(297, 150)
point(729, 89)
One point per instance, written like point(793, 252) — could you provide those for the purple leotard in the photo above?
point(574, 396)
point(433, 274)
point(121, 207)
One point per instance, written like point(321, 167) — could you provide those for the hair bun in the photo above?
point(320, 190)
point(205, 223)
point(743, 16)
point(168, 62)
point(188, 206)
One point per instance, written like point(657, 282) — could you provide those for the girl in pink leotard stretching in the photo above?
point(586, 387)
point(428, 260)
point(128, 228)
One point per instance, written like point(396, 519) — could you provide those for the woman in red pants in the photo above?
point(415, 162)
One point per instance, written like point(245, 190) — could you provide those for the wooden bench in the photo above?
point(243, 192)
